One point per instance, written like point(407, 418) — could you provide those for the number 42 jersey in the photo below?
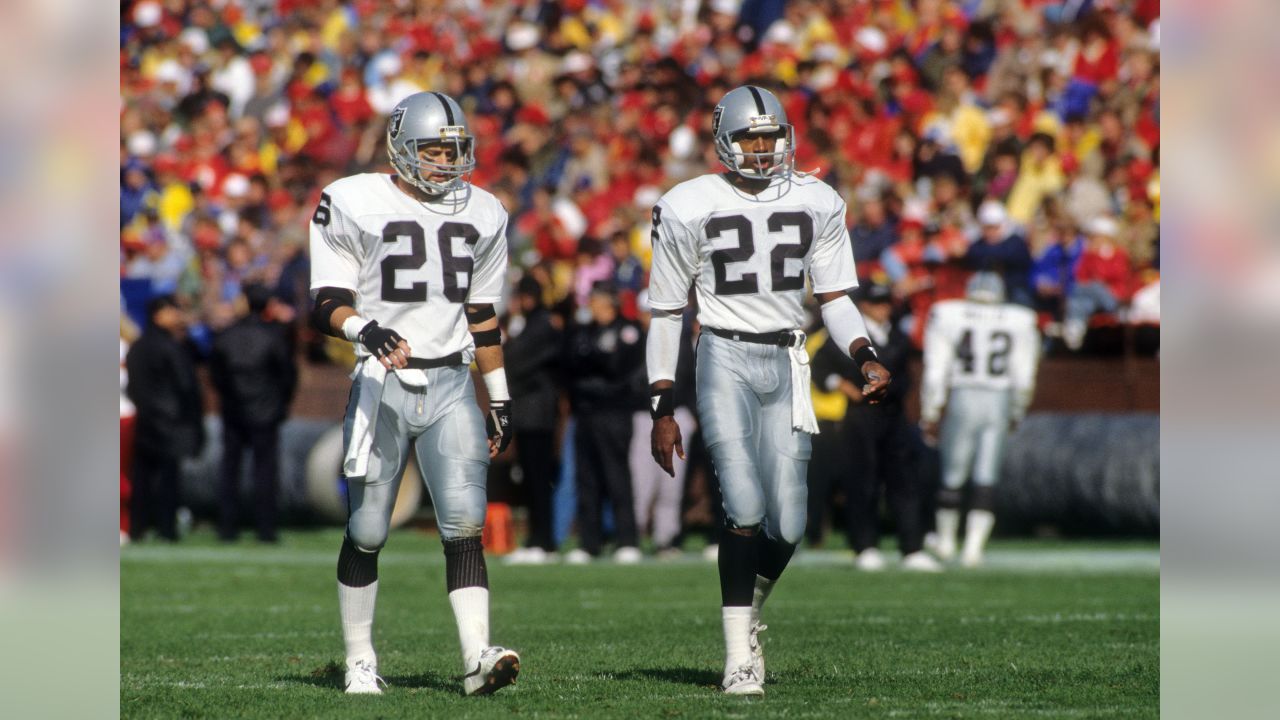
point(412, 264)
point(969, 344)
point(749, 254)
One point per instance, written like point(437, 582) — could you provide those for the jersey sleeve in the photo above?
point(831, 266)
point(675, 260)
point(335, 260)
point(489, 273)
point(939, 351)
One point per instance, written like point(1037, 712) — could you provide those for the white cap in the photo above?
point(277, 116)
point(872, 39)
point(141, 144)
point(387, 64)
point(576, 62)
point(235, 185)
point(780, 33)
point(522, 36)
point(992, 213)
point(646, 196)
point(683, 142)
point(147, 14)
point(726, 7)
point(170, 71)
point(196, 39)
point(1103, 225)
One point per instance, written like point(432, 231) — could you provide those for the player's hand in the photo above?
point(929, 428)
point(665, 438)
point(386, 344)
point(498, 426)
point(878, 379)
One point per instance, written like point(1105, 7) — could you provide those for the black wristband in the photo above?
point(662, 403)
point(864, 355)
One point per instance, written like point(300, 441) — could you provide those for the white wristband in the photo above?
point(662, 351)
point(352, 326)
point(495, 381)
point(844, 322)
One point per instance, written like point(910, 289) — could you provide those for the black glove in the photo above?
point(498, 424)
point(379, 340)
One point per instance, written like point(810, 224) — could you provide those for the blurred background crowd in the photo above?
point(1020, 136)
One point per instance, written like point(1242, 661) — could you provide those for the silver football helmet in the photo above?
point(423, 118)
point(752, 110)
point(985, 287)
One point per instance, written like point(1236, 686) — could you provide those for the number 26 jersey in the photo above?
point(412, 264)
point(748, 255)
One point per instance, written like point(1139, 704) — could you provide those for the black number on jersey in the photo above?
point(653, 232)
point(1000, 344)
point(783, 251)
point(720, 259)
point(321, 217)
point(456, 269)
point(748, 284)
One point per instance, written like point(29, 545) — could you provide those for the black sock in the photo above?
point(464, 564)
point(982, 497)
point(356, 568)
point(737, 569)
point(949, 499)
point(772, 556)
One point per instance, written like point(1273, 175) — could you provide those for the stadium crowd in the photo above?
point(1020, 136)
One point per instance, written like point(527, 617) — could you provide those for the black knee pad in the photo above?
point(464, 564)
point(356, 567)
point(949, 499)
point(982, 497)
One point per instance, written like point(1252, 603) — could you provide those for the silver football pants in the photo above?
point(972, 436)
point(447, 430)
point(744, 405)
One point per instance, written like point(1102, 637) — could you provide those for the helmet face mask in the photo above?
point(748, 112)
point(421, 132)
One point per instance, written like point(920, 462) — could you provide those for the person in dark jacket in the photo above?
point(254, 373)
point(879, 442)
point(532, 360)
point(1002, 250)
point(169, 421)
point(603, 360)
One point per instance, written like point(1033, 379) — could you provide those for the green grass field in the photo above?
point(1048, 630)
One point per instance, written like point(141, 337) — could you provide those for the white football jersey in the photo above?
point(412, 264)
point(971, 344)
point(749, 255)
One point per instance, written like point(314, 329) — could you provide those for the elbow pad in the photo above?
point(662, 352)
point(844, 322)
point(328, 300)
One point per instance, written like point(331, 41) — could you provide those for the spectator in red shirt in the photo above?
point(1104, 280)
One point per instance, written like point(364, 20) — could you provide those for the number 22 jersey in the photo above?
point(748, 255)
point(412, 264)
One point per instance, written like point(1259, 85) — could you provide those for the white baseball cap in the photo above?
point(992, 213)
point(1103, 225)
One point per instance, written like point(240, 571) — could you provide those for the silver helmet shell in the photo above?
point(985, 287)
point(423, 118)
point(751, 109)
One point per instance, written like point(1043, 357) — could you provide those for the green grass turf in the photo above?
point(250, 631)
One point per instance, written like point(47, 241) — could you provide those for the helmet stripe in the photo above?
point(448, 111)
point(755, 94)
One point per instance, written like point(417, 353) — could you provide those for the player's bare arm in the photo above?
point(664, 439)
point(482, 321)
point(860, 349)
point(334, 314)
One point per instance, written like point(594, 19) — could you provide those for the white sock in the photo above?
point(948, 527)
point(471, 611)
point(355, 606)
point(737, 631)
point(764, 586)
point(978, 524)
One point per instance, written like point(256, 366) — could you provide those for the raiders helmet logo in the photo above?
point(397, 118)
point(715, 120)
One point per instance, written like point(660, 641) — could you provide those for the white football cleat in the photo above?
point(743, 681)
point(362, 678)
point(971, 559)
point(628, 555)
point(920, 561)
point(945, 550)
point(578, 556)
point(870, 560)
point(757, 649)
point(711, 553)
point(529, 556)
point(497, 668)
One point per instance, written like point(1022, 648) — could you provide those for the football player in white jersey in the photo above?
point(980, 358)
point(407, 267)
point(746, 240)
